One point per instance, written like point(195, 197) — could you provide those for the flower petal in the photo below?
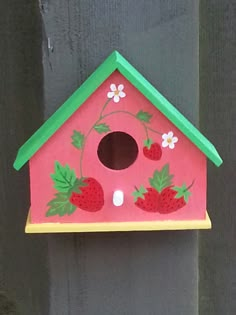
point(113, 87)
point(175, 139)
point(116, 99)
point(170, 134)
point(122, 94)
point(165, 144)
point(171, 145)
point(110, 94)
point(165, 136)
point(120, 87)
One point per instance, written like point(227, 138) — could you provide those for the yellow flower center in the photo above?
point(116, 92)
point(169, 140)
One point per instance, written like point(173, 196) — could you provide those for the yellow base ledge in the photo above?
point(117, 226)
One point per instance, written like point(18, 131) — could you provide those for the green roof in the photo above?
point(114, 62)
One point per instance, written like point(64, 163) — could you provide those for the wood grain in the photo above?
point(23, 260)
point(117, 226)
point(123, 273)
point(218, 116)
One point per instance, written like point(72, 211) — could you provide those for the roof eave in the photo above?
point(113, 62)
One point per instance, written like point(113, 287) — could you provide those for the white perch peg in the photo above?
point(118, 198)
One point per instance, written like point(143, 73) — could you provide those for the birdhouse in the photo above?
point(117, 156)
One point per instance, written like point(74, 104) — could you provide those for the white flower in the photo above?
point(169, 140)
point(116, 92)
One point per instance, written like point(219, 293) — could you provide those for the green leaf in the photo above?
point(79, 182)
point(182, 192)
point(64, 178)
point(148, 143)
point(60, 205)
point(139, 193)
point(144, 116)
point(102, 128)
point(161, 179)
point(77, 139)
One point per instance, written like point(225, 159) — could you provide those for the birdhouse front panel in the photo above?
point(117, 159)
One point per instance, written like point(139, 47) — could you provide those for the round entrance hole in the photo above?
point(117, 150)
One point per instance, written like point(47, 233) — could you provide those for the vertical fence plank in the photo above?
point(23, 259)
point(218, 116)
point(123, 273)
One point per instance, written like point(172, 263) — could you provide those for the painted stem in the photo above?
point(117, 112)
point(104, 106)
point(189, 186)
point(101, 117)
point(128, 113)
point(146, 130)
point(82, 150)
point(136, 188)
point(90, 130)
point(155, 131)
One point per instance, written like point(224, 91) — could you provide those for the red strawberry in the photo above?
point(168, 203)
point(146, 199)
point(173, 198)
point(152, 151)
point(90, 195)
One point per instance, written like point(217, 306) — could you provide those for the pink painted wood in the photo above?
point(186, 161)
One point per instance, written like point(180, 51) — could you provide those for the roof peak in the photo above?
point(115, 61)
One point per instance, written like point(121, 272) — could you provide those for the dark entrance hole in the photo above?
point(117, 150)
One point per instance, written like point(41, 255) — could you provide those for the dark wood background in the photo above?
point(217, 290)
point(117, 273)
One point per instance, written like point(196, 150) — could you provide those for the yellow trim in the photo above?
point(117, 226)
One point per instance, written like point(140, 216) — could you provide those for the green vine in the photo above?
point(142, 117)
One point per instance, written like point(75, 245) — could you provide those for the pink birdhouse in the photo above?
point(117, 156)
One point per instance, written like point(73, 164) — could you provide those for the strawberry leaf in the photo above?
point(77, 139)
point(148, 143)
point(144, 116)
point(139, 193)
point(182, 192)
point(64, 178)
point(161, 179)
point(79, 182)
point(102, 128)
point(60, 205)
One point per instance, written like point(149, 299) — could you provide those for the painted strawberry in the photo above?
point(163, 196)
point(173, 198)
point(152, 150)
point(89, 195)
point(146, 199)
